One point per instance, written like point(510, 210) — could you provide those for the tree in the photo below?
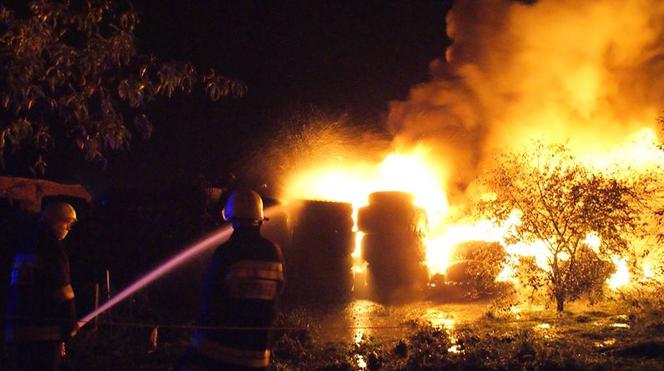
point(561, 203)
point(659, 213)
point(72, 72)
point(477, 263)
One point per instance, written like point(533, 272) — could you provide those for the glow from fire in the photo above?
point(594, 76)
point(622, 275)
point(440, 246)
point(648, 272)
point(593, 84)
point(416, 172)
point(593, 241)
point(413, 172)
point(639, 152)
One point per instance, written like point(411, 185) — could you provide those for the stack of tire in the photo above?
point(393, 246)
point(319, 261)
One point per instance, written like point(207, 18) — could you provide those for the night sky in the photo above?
point(334, 57)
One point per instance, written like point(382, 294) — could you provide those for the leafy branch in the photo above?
point(72, 69)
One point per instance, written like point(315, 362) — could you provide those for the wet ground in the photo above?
point(361, 318)
point(350, 334)
point(584, 336)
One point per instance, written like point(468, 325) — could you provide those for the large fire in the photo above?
point(418, 173)
point(411, 172)
point(583, 74)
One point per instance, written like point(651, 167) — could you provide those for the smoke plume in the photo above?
point(584, 73)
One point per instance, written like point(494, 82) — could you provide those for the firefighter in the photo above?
point(40, 309)
point(242, 284)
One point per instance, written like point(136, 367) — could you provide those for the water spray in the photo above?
point(211, 240)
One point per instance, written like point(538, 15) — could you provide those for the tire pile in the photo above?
point(319, 262)
point(393, 246)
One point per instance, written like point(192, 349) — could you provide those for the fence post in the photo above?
point(108, 284)
point(96, 306)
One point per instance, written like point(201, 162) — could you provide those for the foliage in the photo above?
point(533, 279)
point(483, 262)
point(561, 202)
point(643, 296)
point(646, 294)
point(659, 213)
point(428, 347)
point(658, 220)
point(71, 69)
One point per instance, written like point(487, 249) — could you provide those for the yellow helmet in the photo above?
point(243, 204)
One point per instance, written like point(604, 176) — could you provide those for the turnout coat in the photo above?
point(41, 305)
point(242, 284)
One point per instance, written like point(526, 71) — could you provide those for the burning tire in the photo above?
point(393, 246)
point(319, 261)
point(391, 212)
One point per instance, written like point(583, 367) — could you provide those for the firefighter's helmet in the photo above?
point(59, 211)
point(59, 217)
point(243, 204)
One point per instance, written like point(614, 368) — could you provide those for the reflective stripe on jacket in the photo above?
point(222, 353)
point(254, 279)
point(242, 284)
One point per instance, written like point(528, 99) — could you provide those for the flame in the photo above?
point(622, 275)
point(417, 173)
point(439, 247)
point(648, 272)
point(640, 152)
point(412, 171)
point(593, 241)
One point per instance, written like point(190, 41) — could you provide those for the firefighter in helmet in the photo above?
point(242, 284)
point(40, 309)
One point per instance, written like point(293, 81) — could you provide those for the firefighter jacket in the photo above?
point(41, 299)
point(242, 284)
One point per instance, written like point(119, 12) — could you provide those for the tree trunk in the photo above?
point(560, 302)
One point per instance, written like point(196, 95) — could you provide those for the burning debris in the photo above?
point(393, 245)
point(319, 257)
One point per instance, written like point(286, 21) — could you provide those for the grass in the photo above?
point(592, 340)
point(580, 339)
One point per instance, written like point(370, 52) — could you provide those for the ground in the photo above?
point(424, 335)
